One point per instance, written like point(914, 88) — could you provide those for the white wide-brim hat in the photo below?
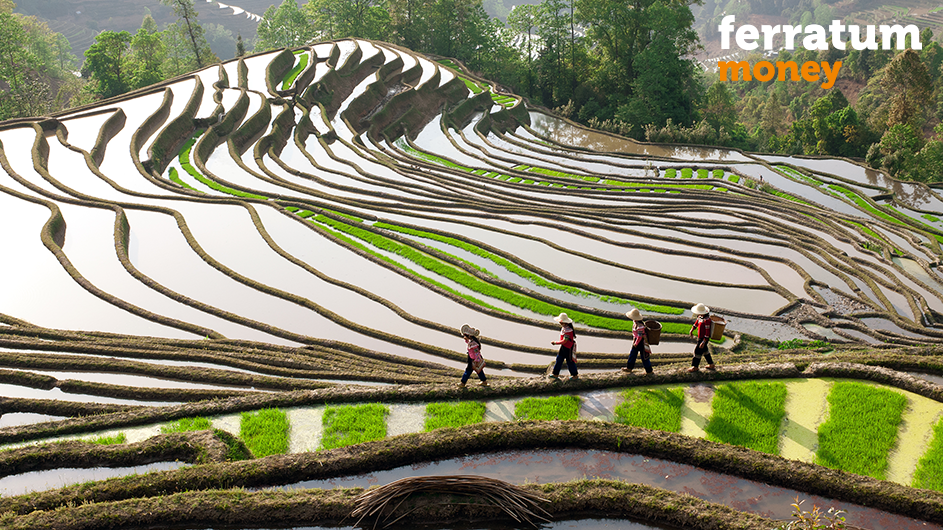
point(468, 330)
point(634, 314)
point(563, 319)
point(700, 309)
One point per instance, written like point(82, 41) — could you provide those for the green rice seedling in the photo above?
point(930, 218)
point(861, 429)
point(454, 414)
point(184, 159)
point(175, 178)
point(748, 414)
point(119, 438)
point(929, 472)
point(702, 174)
point(188, 424)
point(687, 173)
point(265, 432)
point(718, 174)
point(651, 408)
point(551, 408)
point(734, 178)
point(671, 173)
point(353, 424)
point(293, 73)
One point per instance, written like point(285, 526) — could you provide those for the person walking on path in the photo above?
point(475, 361)
point(640, 346)
point(567, 344)
point(705, 327)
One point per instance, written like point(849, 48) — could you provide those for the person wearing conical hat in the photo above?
point(705, 327)
point(640, 346)
point(567, 344)
point(476, 362)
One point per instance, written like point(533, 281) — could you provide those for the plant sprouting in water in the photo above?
point(817, 519)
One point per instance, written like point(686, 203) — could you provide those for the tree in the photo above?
point(105, 62)
point(409, 22)
point(191, 31)
point(284, 26)
point(523, 20)
point(147, 58)
point(334, 19)
point(240, 46)
point(719, 110)
point(908, 83)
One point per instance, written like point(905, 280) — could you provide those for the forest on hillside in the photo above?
point(625, 67)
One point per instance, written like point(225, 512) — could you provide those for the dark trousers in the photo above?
point(565, 354)
point(639, 351)
point(701, 350)
point(469, 370)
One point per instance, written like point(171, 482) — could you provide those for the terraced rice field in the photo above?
point(268, 241)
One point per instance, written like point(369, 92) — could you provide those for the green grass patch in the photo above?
point(175, 178)
point(265, 432)
point(353, 424)
point(188, 424)
point(651, 408)
point(748, 414)
point(454, 414)
point(929, 472)
point(117, 439)
point(524, 273)
point(479, 286)
point(293, 73)
point(861, 429)
point(551, 408)
point(799, 343)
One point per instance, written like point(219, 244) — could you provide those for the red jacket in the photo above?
point(567, 337)
point(704, 326)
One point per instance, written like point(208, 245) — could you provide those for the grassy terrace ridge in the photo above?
point(353, 424)
point(475, 284)
point(861, 428)
point(748, 414)
point(651, 408)
point(548, 409)
point(454, 414)
point(265, 432)
point(524, 273)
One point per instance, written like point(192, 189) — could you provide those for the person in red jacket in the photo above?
point(704, 326)
point(567, 344)
point(475, 361)
point(640, 347)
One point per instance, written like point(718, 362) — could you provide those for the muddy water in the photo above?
point(257, 66)
point(13, 419)
point(83, 132)
point(567, 134)
point(558, 465)
point(59, 478)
